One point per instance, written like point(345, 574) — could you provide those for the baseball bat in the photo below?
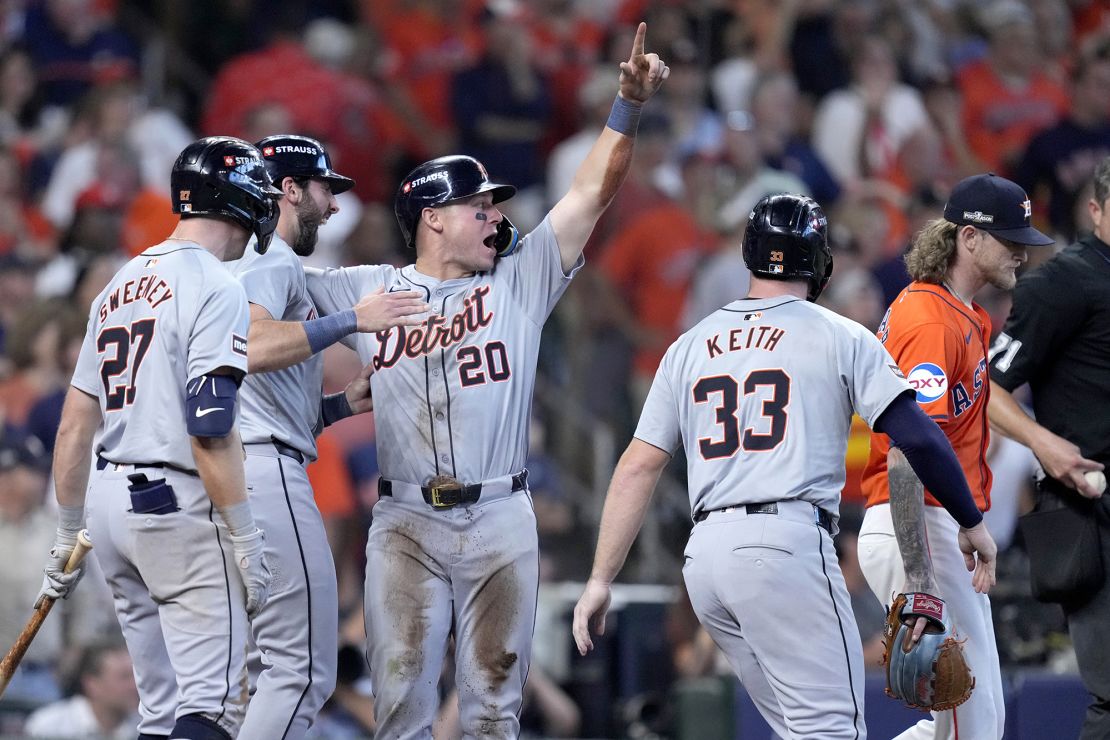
point(11, 660)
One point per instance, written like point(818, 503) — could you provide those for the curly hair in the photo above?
point(933, 250)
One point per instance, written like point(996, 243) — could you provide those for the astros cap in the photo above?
point(996, 205)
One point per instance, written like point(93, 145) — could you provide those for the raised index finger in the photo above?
point(638, 42)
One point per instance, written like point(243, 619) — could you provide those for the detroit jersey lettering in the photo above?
point(483, 336)
point(775, 381)
point(172, 313)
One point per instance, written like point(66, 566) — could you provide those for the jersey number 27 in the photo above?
point(129, 348)
point(728, 389)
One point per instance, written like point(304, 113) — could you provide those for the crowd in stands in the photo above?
point(874, 107)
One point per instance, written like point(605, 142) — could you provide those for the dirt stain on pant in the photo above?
point(407, 601)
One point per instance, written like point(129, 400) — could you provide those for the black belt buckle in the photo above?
point(151, 497)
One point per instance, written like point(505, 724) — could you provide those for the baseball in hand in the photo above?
point(1097, 479)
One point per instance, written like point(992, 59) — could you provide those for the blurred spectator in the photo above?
point(75, 44)
point(38, 346)
point(1007, 96)
point(747, 176)
point(922, 206)
point(119, 132)
point(23, 229)
point(17, 289)
point(102, 699)
point(822, 43)
point(26, 534)
point(696, 129)
point(859, 130)
point(755, 43)
point(595, 99)
point(26, 124)
point(432, 40)
point(502, 109)
point(774, 108)
point(649, 265)
point(1062, 159)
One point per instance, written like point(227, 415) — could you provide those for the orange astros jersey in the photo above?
point(941, 346)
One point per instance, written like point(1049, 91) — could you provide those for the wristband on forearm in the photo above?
point(327, 330)
point(335, 407)
point(239, 519)
point(624, 118)
point(71, 518)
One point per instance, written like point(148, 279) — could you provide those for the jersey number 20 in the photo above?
point(139, 335)
point(774, 409)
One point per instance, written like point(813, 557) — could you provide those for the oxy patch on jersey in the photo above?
point(929, 380)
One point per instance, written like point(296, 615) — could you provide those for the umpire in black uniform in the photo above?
point(1057, 339)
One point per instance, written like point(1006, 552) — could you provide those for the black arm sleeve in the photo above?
point(931, 457)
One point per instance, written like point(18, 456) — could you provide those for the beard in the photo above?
point(310, 217)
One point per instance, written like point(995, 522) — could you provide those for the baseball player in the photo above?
point(760, 394)
point(154, 397)
point(453, 547)
point(282, 412)
point(939, 339)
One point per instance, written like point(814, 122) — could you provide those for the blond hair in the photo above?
point(933, 251)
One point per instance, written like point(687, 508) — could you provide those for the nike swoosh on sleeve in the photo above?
point(205, 412)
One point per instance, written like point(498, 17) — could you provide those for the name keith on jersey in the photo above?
point(436, 332)
point(151, 288)
point(751, 337)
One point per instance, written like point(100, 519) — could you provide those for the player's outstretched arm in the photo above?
point(625, 506)
point(273, 344)
point(605, 167)
point(1060, 458)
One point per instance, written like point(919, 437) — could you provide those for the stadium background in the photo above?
point(874, 107)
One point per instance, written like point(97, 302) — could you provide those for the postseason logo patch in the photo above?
point(929, 380)
point(238, 345)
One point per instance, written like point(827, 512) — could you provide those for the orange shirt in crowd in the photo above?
point(941, 346)
point(999, 121)
point(331, 480)
point(652, 262)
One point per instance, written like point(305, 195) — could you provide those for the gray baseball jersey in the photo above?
point(296, 633)
point(768, 385)
point(282, 403)
point(760, 394)
point(452, 398)
point(456, 390)
point(170, 314)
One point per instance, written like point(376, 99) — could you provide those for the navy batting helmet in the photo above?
point(224, 177)
point(787, 238)
point(438, 182)
point(287, 155)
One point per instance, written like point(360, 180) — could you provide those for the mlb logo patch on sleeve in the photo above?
point(929, 380)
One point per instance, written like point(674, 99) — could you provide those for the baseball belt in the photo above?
point(449, 495)
point(103, 462)
point(822, 518)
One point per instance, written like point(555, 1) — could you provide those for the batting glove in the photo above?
point(57, 583)
point(252, 568)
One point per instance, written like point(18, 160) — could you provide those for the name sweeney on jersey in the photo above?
point(751, 337)
point(151, 288)
point(436, 332)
